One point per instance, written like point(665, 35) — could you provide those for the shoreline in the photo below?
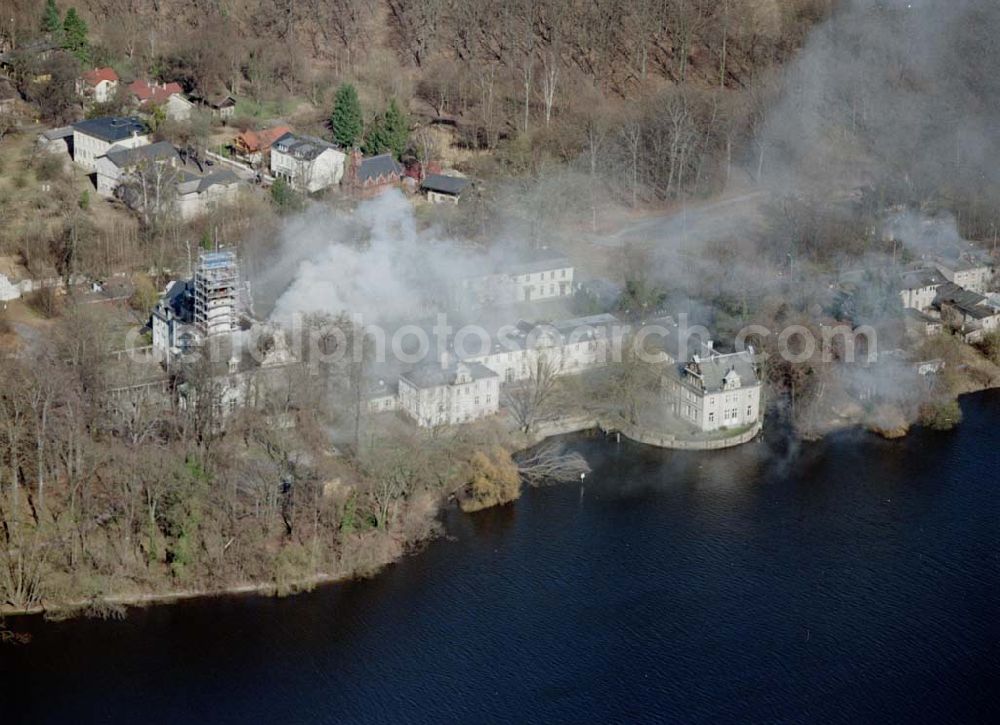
point(550, 429)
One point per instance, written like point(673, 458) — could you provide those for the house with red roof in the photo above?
point(253, 146)
point(169, 96)
point(98, 83)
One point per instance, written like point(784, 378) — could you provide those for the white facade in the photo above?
point(307, 172)
point(971, 276)
point(198, 199)
point(178, 108)
point(722, 391)
point(88, 148)
point(526, 285)
point(563, 348)
point(432, 396)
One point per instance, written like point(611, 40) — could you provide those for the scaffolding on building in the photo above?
point(216, 289)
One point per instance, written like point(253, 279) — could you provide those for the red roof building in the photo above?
point(256, 142)
point(155, 92)
point(95, 76)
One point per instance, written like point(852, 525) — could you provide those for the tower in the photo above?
point(216, 285)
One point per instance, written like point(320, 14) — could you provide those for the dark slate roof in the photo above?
point(123, 157)
point(179, 299)
point(958, 296)
point(302, 147)
point(194, 184)
point(111, 128)
point(442, 184)
point(432, 375)
point(920, 278)
point(374, 166)
point(919, 316)
point(714, 368)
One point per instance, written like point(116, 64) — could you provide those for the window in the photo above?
point(477, 401)
point(564, 274)
point(711, 417)
point(749, 411)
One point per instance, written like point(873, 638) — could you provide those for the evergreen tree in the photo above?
point(346, 119)
point(75, 35)
point(396, 127)
point(376, 139)
point(51, 22)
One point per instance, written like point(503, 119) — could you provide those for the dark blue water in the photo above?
point(852, 580)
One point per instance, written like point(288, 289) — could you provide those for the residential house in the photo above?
point(372, 175)
point(968, 311)
point(172, 321)
point(919, 287)
point(169, 96)
point(919, 324)
point(306, 162)
point(119, 161)
point(98, 84)
point(254, 146)
point(433, 395)
point(718, 391)
point(198, 194)
point(443, 189)
point(95, 136)
point(220, 105)
point(967, 271)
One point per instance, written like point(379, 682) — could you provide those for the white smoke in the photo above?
point(371, 262)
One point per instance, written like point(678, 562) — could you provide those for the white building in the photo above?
point(100, 84)
point(197, 195)
point(565, 347)
point(545, 276)
point(444, 189)
point(95, 136)
point(307, 163)
point(919, 287)
point(433, 396)
point(967, 272)
point(719, 391)
point(172, 321)
point(119, 161)
point(168, 96)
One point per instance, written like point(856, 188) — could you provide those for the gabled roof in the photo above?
point(443, 184)
point(371, 168)
point(958, 296)
point(95, 76)
point(124, 157)
point(192, 184)
point(541, 260)
point(302, 147)
point(53, 133)
point(154, 92)
point(111, 128)
point(261, 140)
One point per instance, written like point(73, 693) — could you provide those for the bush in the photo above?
point(49, 167)
point(285, 198)
point(493, 480)
point(941, 416)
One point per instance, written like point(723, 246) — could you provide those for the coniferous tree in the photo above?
point(396, 128)
point(376, 139)
point(346, 119)
point(75, 35)
point(51, 22)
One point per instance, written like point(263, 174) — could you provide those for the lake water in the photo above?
point(850, 580)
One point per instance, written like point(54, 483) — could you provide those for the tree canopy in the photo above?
point(346, 120)
point(75, 35)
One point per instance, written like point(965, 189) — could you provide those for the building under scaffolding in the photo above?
point(216, 289)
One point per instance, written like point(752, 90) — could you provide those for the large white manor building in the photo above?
point(717, 391)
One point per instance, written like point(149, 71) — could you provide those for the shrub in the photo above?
point(45, 301)
point(941, 416)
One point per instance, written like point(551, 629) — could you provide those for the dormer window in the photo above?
point(731, 381)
